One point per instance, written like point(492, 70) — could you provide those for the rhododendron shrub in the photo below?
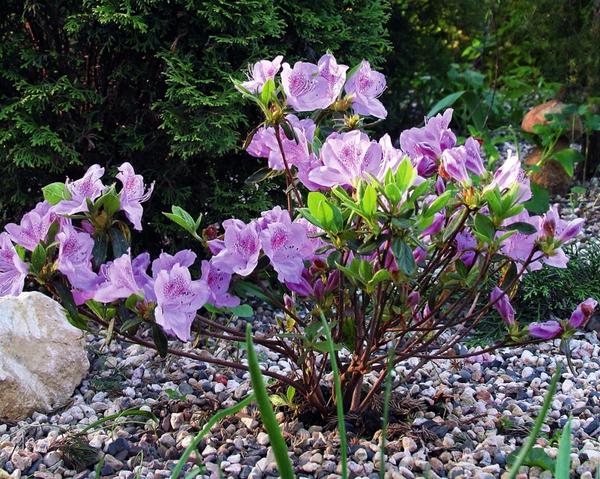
point(403, 243)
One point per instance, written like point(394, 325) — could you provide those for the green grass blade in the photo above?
point(218, 416)
point(563, 461)
point(124, 413)
point(537, 427)
point(271, 425)
point(338, 395)
point(386, 409)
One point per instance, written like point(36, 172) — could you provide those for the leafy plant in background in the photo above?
point(147, 82)
point(411, 247)
point(572, 122)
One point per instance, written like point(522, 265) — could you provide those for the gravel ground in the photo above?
point(474, 414)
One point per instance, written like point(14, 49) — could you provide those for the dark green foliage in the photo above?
point(550, 292)
point(555, 291)
point(148, 81)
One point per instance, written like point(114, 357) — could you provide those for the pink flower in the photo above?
point(166, 261)
point(264, 144)
point(287, 246)
point(436, 225)
point(75, 257)
point(392, 157)
point(89, 187)
point(364, 87)
point(582, 313)
point(473, 161)
point(178, 299)
point(511, 173)
point(425, 145)
point(545, 330)
point(218, 283)
point(260, 72)
point(454, 164)
point(312, 87)
point(502, 305)
point(241, 248)
point(520, 245)
point(118, 281)
point(347, 158)
point(33, 227)
point(13, 270)
point(133, 194)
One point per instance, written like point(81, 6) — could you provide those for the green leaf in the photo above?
point(494, 200)
point(66, 299)
point(132, 301)
point(242, 311)
point(540, 200)
point(38, 258)
point(119, 243)
point(567, 158)
point(404, 257)
point(182, 218)
point(215, 419)
point(526, 450)
point(261, 175)
point(439, 203)
point(290, 393)
point(484, 226)
point(563, 461)
point(270, 424)
point(100, 250)
point(160, 340)
point(246, 288)
point(393, 193)
point(267, 92)
point(522, 227)
point(54, 193)
point(277, 400)
point(339, 403)
point(368, 202)
point(109, 202)
point(444, 103)
point(405, 175)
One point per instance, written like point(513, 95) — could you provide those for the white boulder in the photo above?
point(42, 356)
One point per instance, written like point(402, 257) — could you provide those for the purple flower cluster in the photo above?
point(288, 245)
point(553, 329)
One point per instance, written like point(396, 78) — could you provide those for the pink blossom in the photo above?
point(546, 330)
point(260, 72)
point(178, 299)
point(33, 228)
point(364, 87)
point(425, 145)
point(117, 280)
point(582, 313)
point(287, 246)
point(89, 187)
point(264, 144)
point(347, 158)
point(166, 261)
point(241, 248)
point(13, 270)
point(311, 87)
point(75, 257)
point(502, 305)
point(218, 283)
point(133, 194)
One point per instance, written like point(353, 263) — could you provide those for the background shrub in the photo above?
point(147, 81)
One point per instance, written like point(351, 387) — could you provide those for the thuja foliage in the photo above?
point(377, 248)
point(147, 82)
